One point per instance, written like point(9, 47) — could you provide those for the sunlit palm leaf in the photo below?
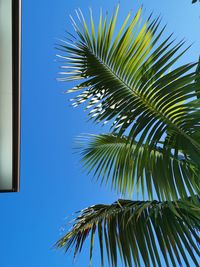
point(127, 80)
point(140, 231)
point(110, 157)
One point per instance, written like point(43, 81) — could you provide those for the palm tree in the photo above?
point(129, 80)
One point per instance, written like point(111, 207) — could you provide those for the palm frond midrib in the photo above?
point(120, 144)
point(163, 117)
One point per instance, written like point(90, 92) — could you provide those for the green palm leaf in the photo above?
point(198, 79)
point(139, 231)
point(112, 158)
point(126, 80)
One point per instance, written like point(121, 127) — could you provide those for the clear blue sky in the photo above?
point(52, 184)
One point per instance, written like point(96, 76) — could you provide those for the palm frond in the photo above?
point(139, 231)
point(113, 159)
point(126, 79)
